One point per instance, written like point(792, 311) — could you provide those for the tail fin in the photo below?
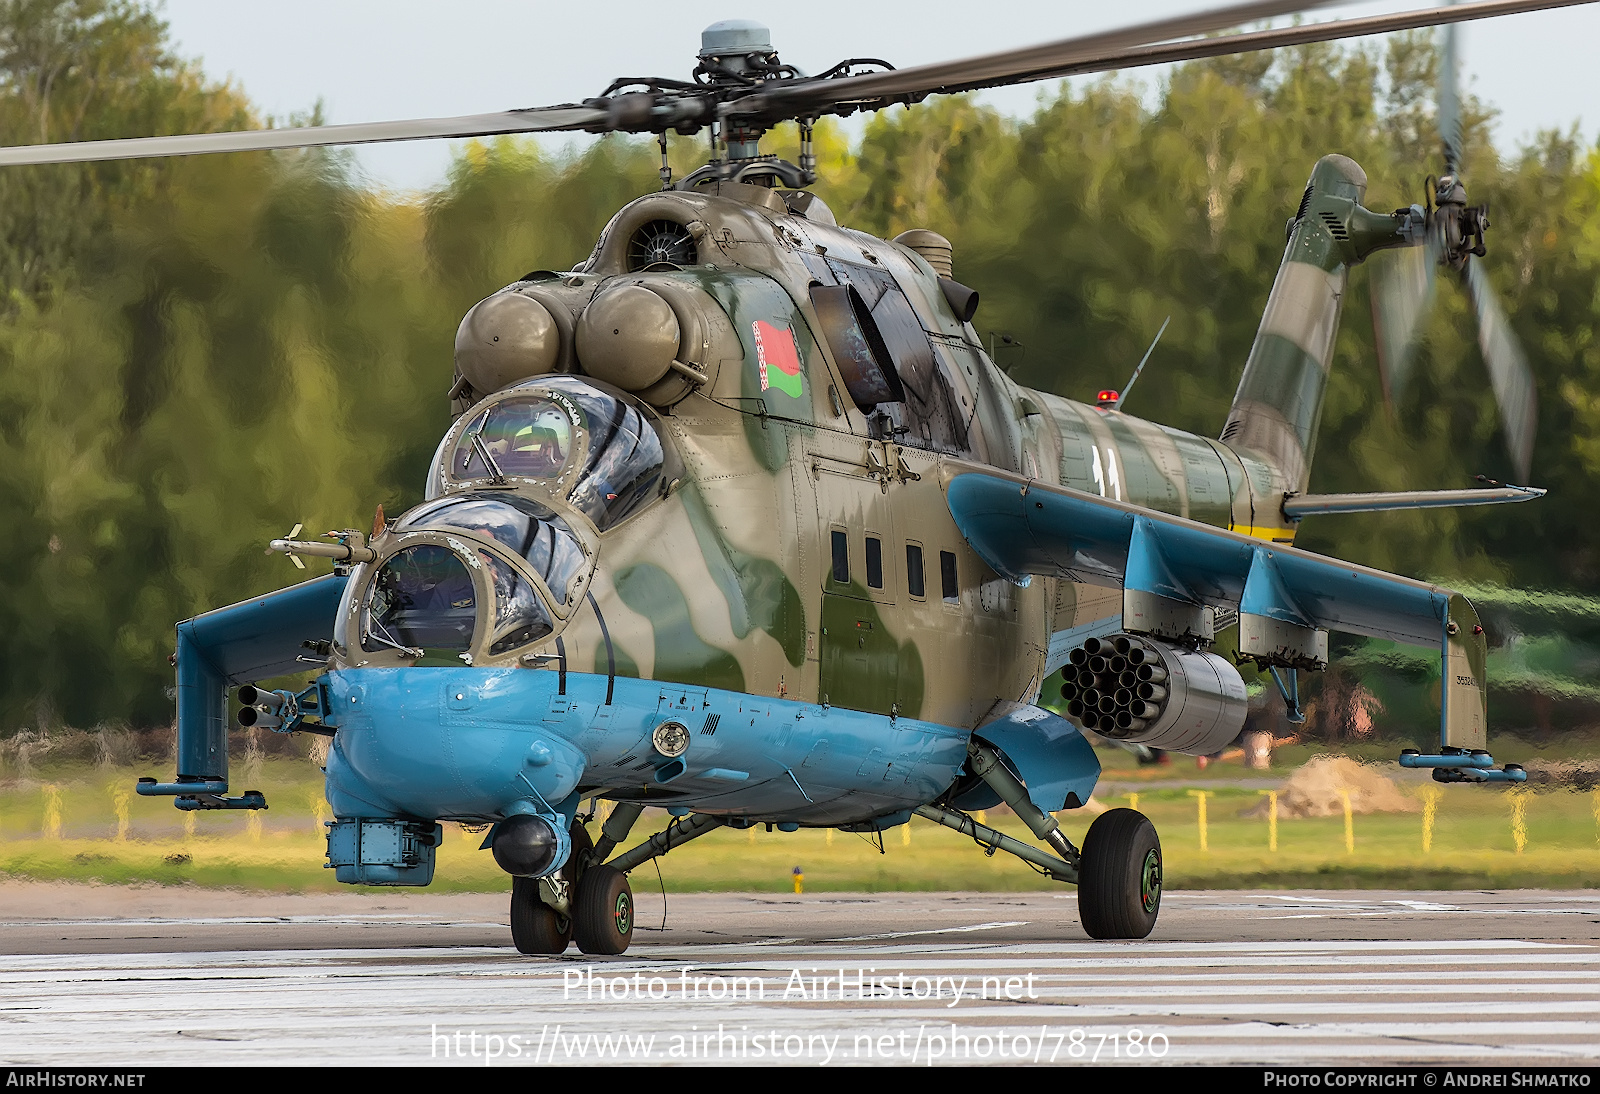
point(1279, 401)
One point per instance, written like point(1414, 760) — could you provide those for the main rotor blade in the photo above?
point(1015, 65)
point(1509, 374)
point(796, 100)
point(540, 120)
point(1402, 290)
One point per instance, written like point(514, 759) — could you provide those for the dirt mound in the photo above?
point(1313, 790)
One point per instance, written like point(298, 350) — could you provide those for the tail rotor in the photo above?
point(1450, 234)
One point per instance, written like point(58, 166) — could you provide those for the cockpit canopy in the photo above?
point(479, 572)
point(545, 541)
point(559, 435)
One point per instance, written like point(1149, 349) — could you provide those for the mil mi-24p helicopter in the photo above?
point(737, 518)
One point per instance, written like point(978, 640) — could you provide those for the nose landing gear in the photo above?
point(586, 902)
point(541, 908)
point(602, 914)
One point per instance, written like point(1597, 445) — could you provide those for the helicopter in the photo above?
point(737, 518)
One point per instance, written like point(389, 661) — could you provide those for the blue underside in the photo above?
point(478, 744)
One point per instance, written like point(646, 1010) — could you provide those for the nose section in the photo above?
point(447, 743)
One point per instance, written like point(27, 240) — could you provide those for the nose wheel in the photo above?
point(536, 926)
point(1119, 876)
point(602, 914)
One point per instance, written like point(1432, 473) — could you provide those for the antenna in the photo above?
point(1117, 403)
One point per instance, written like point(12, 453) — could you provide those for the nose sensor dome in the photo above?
point(527, 846)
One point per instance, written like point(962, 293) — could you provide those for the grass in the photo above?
point(1473, 843)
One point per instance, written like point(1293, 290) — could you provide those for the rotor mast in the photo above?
point(736, 55)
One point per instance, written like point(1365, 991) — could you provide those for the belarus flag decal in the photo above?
point(778, 358)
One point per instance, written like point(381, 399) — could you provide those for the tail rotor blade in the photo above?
point(1402, 290)
point(1509, 374)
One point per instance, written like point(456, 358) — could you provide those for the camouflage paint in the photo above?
point(863, 667)
point(620, 662)
point(1279, 402)
point(682, 656)
point(758, 592)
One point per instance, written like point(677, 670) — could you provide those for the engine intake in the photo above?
point(1135, 689)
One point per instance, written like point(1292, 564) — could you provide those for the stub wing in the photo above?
point(1171, 569)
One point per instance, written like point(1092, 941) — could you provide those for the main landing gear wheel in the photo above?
point(1119, 876)
point(602, 914)
point(537, 928)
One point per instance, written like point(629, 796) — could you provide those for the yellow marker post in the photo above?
point(799, 880)
point(120, 799)
point(52, 811)
point(1200, 797)
point(1430, 812)
point(1349, 821)
point(1519, 820)
point(1133, 801)
point(1272, 819)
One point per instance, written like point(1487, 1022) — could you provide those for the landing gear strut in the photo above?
point(1118, 872)
point(589, 900)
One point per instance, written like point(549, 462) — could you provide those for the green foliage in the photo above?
point(79, 70)
point(199, 353)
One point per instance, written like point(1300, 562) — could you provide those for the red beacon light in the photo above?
point(1107, 399)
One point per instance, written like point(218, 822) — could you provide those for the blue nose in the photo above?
point(456, 743)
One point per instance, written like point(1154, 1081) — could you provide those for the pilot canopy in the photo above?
point(561, 436)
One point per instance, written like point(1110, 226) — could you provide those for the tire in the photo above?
point(602, 915)
point(582, 851)
point(537, 928)
point(1119, 876)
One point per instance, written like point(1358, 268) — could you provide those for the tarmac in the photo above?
point(141, 976)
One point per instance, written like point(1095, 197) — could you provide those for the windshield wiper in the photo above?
point(498, 477)
point(388, 640)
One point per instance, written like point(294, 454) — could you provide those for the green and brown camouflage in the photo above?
point(801, 546)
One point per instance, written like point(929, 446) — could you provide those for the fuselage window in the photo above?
point(914, 582)
point(874, 562)
point(841, 557)
point(947, 577)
